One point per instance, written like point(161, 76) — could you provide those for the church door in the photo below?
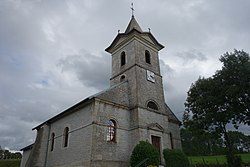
point(156, 141)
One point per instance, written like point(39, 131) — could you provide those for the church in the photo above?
point(102, 130)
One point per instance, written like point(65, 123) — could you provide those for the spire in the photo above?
point(133, 25)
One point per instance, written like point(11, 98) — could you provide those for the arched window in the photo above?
point(111, 135)
point(171, 141)
point(66, 137)
point(52, 141)
point(147, 57)
point(123, 58)
point(122, 78)
point(152, 105)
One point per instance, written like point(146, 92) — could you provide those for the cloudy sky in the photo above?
point(52, 52)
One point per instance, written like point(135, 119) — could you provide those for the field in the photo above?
point(219, 159)
point(10, 162)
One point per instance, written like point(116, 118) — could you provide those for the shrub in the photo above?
point(175, 158)
point(234, 160)
point(142, 151)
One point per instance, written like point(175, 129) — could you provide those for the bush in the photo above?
point(234, 160)
point(142, 151)
point(175, 158)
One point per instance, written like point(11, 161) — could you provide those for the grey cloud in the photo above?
point(165, 68)
point(91, 70)
point(167, 72)
point(191, 55)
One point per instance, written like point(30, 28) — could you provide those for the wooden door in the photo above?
point(156, 141)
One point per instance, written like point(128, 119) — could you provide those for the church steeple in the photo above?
point(135, 60)
point(133, 25)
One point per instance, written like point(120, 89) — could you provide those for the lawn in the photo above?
point(218, 159)
point(10, 162)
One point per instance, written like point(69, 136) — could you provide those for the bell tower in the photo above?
point(135, 59)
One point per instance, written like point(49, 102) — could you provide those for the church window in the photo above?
point(152, 105)
point(123, 58)
point(147, 57)
point(66, 137)
point(122, 78)
point(171, 141)
point(52, 141)
point(111, 135)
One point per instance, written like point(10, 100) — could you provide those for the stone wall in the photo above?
point(108, 153)
point(25, 157)
point(78, 151)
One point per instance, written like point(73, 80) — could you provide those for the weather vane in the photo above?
point(132, 8)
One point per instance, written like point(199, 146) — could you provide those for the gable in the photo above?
point(171, 116)
point(117, 94)
point(156, 127)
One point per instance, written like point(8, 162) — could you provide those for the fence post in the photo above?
point(204, 163)
point(217, 161)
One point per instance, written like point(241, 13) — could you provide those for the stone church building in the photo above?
point(103, 129)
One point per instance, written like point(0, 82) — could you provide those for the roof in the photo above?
point(133, 29)
point(114, 94)
point(171, 116)
point(66, 112)
point(29, 147)
point(117, 94)
point(133, 25)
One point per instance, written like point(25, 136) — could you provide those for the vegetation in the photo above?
point(9, 159)
point(215, 102)
point(212, 144)
point(10, 162)
point(6, 154)
point(142, 151)
point(175, 158)
point(216, 159)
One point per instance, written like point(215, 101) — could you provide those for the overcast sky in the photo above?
point(52, 52)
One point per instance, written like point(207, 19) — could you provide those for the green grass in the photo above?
point(218, 159)
point(245, 158)
point(10, 162)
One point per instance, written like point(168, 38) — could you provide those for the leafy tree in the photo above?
point(201, 144)
point(222, 99)
point(6, 154)
point(239, 140)
point(235, 78)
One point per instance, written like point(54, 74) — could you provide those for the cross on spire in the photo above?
point(132, 8)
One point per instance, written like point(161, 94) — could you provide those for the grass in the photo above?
point(10, 162)
point(245, 158)
point(218, 159)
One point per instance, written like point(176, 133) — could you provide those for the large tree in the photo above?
point(235, 79)
point(222, 99)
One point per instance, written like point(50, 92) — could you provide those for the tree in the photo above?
point(235, 78)
point(240, 141)
point(205, 143)
point(222, 99)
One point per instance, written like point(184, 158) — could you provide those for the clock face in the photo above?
point(150, 76)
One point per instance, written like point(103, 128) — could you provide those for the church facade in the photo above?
point(102, 130)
